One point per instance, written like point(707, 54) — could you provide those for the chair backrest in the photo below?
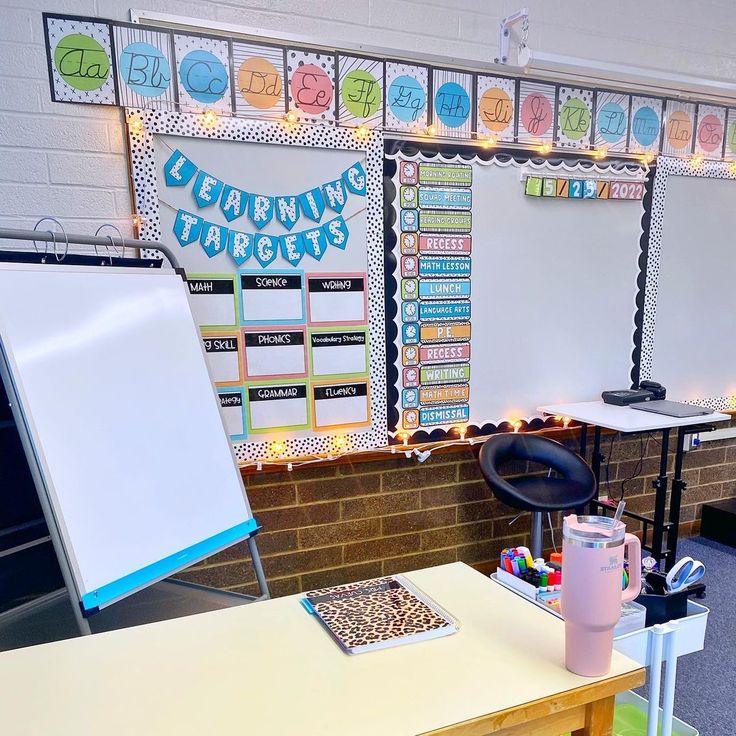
point(501, 448)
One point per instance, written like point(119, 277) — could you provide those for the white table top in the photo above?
point(270, 668)
point(624, 418)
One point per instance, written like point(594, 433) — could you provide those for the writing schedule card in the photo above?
point(222, 352)
point(337, 298)
point(231, 408)
point(272, 298)
point(212, 299)
point(340, 404)
point(274, 352)
point(277, 406)
point(336, 352)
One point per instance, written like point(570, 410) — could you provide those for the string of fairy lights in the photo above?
point(210, 119)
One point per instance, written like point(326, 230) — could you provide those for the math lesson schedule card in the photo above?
point(277, 406)
point(270, 297)
point(340, 404)
point(212, 299)
point(337, 298)
point(231, 408)
point(338, 351)
point(275, 352)
point(222, 351)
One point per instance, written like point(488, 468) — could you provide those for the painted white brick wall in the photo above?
point(70, 161)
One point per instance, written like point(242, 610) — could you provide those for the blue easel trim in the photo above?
point(308, 607)
point(167, 566)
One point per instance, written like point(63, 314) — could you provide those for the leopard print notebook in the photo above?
point(379, 613)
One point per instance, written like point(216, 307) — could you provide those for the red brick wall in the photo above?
point(330, 524)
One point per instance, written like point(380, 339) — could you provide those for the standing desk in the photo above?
point(626, 420)
point(270, 668)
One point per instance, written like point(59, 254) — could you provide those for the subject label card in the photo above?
point(340, 404)
point(223, 357)
point(337, 298)
point(277, 406)
point(270, 298)
point(336, 352)
point(212, 299)
point(275, 353)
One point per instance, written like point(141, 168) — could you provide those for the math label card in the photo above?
point(277, 406)
point(337, 298)
point(271, 297)
point(223, 357)
point(273, 352)
point(231, 408)
point(212, 299)
point(336, 352)
point(340, 404)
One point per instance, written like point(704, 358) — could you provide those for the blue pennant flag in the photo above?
point(260, 210)
point(213, 238)
point(240, 246)
point(312, 204)
point(187, 227)
point(179, 170)
point(335, 195)
point(206, 189)
point(292, 248)
point(233, 202)
point(336, 232)
point(315, 242)
point(354, 178)
point(265, 248)
point(287, 211)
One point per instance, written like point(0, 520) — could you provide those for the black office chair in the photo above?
point(575, 488)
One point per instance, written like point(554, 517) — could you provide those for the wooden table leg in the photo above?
point(598, 718)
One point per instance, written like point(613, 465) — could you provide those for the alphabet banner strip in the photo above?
point(434, 336)
point(97, 61)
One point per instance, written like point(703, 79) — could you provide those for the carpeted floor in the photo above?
point(706, 681)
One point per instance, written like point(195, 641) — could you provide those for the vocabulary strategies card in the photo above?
point(212, 299)
point(337, 298)
point(338, 351)
point(277, 406)
point(231, 407)
point(340, 404)
point(274, 352)
point(272, 298)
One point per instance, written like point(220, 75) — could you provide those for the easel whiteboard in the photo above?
point(115, 394)
point(553, 285)
point(690, 303)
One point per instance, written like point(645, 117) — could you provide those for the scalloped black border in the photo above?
point(465, 151)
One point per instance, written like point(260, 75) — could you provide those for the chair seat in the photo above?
point(543, 494)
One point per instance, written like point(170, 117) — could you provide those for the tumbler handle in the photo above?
point(632, 549)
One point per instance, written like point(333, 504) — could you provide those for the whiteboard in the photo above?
point(116, 395)
point(690, 304)
point(553, 293)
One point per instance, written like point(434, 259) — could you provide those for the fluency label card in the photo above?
point(340, 404)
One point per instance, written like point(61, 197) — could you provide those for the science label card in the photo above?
point(222, 352)
point(231, 408)
point(337, 298)
point(340, 404)
point(277, 406)
point(212, 299)
point(273, 352)
point(336, 352)
point(271, 297)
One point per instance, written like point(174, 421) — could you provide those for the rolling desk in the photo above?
point(626, 420)
point(270, 668)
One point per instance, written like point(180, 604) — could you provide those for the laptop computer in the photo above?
point(671, 408)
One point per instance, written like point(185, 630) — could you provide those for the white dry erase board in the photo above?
point(505, 301)
point(689, 301)
point(115, 393)
point(279, 230)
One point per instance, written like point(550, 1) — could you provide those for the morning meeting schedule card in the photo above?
point(340, 404)
point(222, 352)
point(274, 352)
point(212, 299)
point(277, 406)
point(335, 352)
point(271, 297)
point(337, 298)
point(231, 408)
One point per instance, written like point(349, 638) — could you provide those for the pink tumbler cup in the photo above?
point(593, 557)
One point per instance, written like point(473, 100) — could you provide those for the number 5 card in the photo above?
point(337, 298)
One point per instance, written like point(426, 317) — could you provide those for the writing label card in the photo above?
point(271, 353)
point(212, 299)
point(340, 404)
point(222, 352)
point(337, 298)
point(277, 406)
point(231, 408)
point(339, 352)
point(272, 297)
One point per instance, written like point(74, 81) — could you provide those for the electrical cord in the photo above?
point(637, 468)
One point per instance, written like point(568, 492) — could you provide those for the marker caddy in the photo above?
point(536, 579)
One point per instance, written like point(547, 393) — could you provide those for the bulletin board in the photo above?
point(279, 230)
point(690, 303)
point(515, 285)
